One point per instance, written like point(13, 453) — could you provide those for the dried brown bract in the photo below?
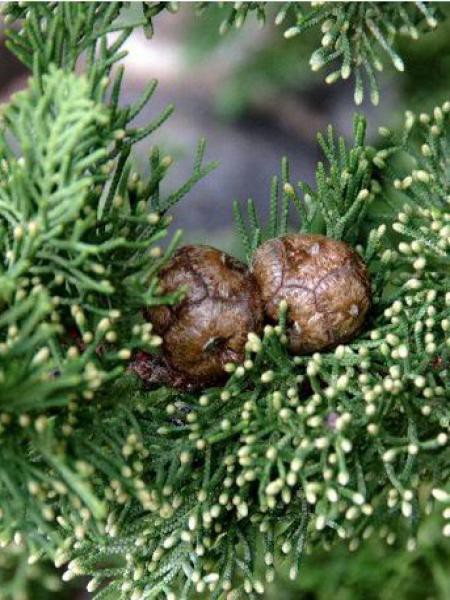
point(209, 327)
point(324, 282)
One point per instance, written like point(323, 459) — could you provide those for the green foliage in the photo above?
point(273, 74)
point(158, 493)
point(76, 231)
point(54, 33)
point(78, 235)
point(355, 34)
point(338, 206)
point(293, 453)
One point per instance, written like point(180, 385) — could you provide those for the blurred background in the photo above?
point(252, 95)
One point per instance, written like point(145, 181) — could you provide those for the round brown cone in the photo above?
point(209, 327)
point(324, 282)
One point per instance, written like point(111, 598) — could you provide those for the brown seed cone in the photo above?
point(324, 282)
point(209, 327)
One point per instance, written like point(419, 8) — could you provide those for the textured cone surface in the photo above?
point(209, 327)
point(324, 282)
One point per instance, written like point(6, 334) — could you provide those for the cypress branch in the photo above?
point(290, 452)
point(159, 493)
point(80, 255)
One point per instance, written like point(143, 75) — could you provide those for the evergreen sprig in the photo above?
point(356, 35)
point(345, 188)
point(79, 233)
point(54, 33)
point(359, 34)
point(78, 240)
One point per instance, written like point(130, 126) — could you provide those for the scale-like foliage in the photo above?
point(345, 188)
point(79, 233)
point(293, 453)
point(356, 35)
point(359, 35)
